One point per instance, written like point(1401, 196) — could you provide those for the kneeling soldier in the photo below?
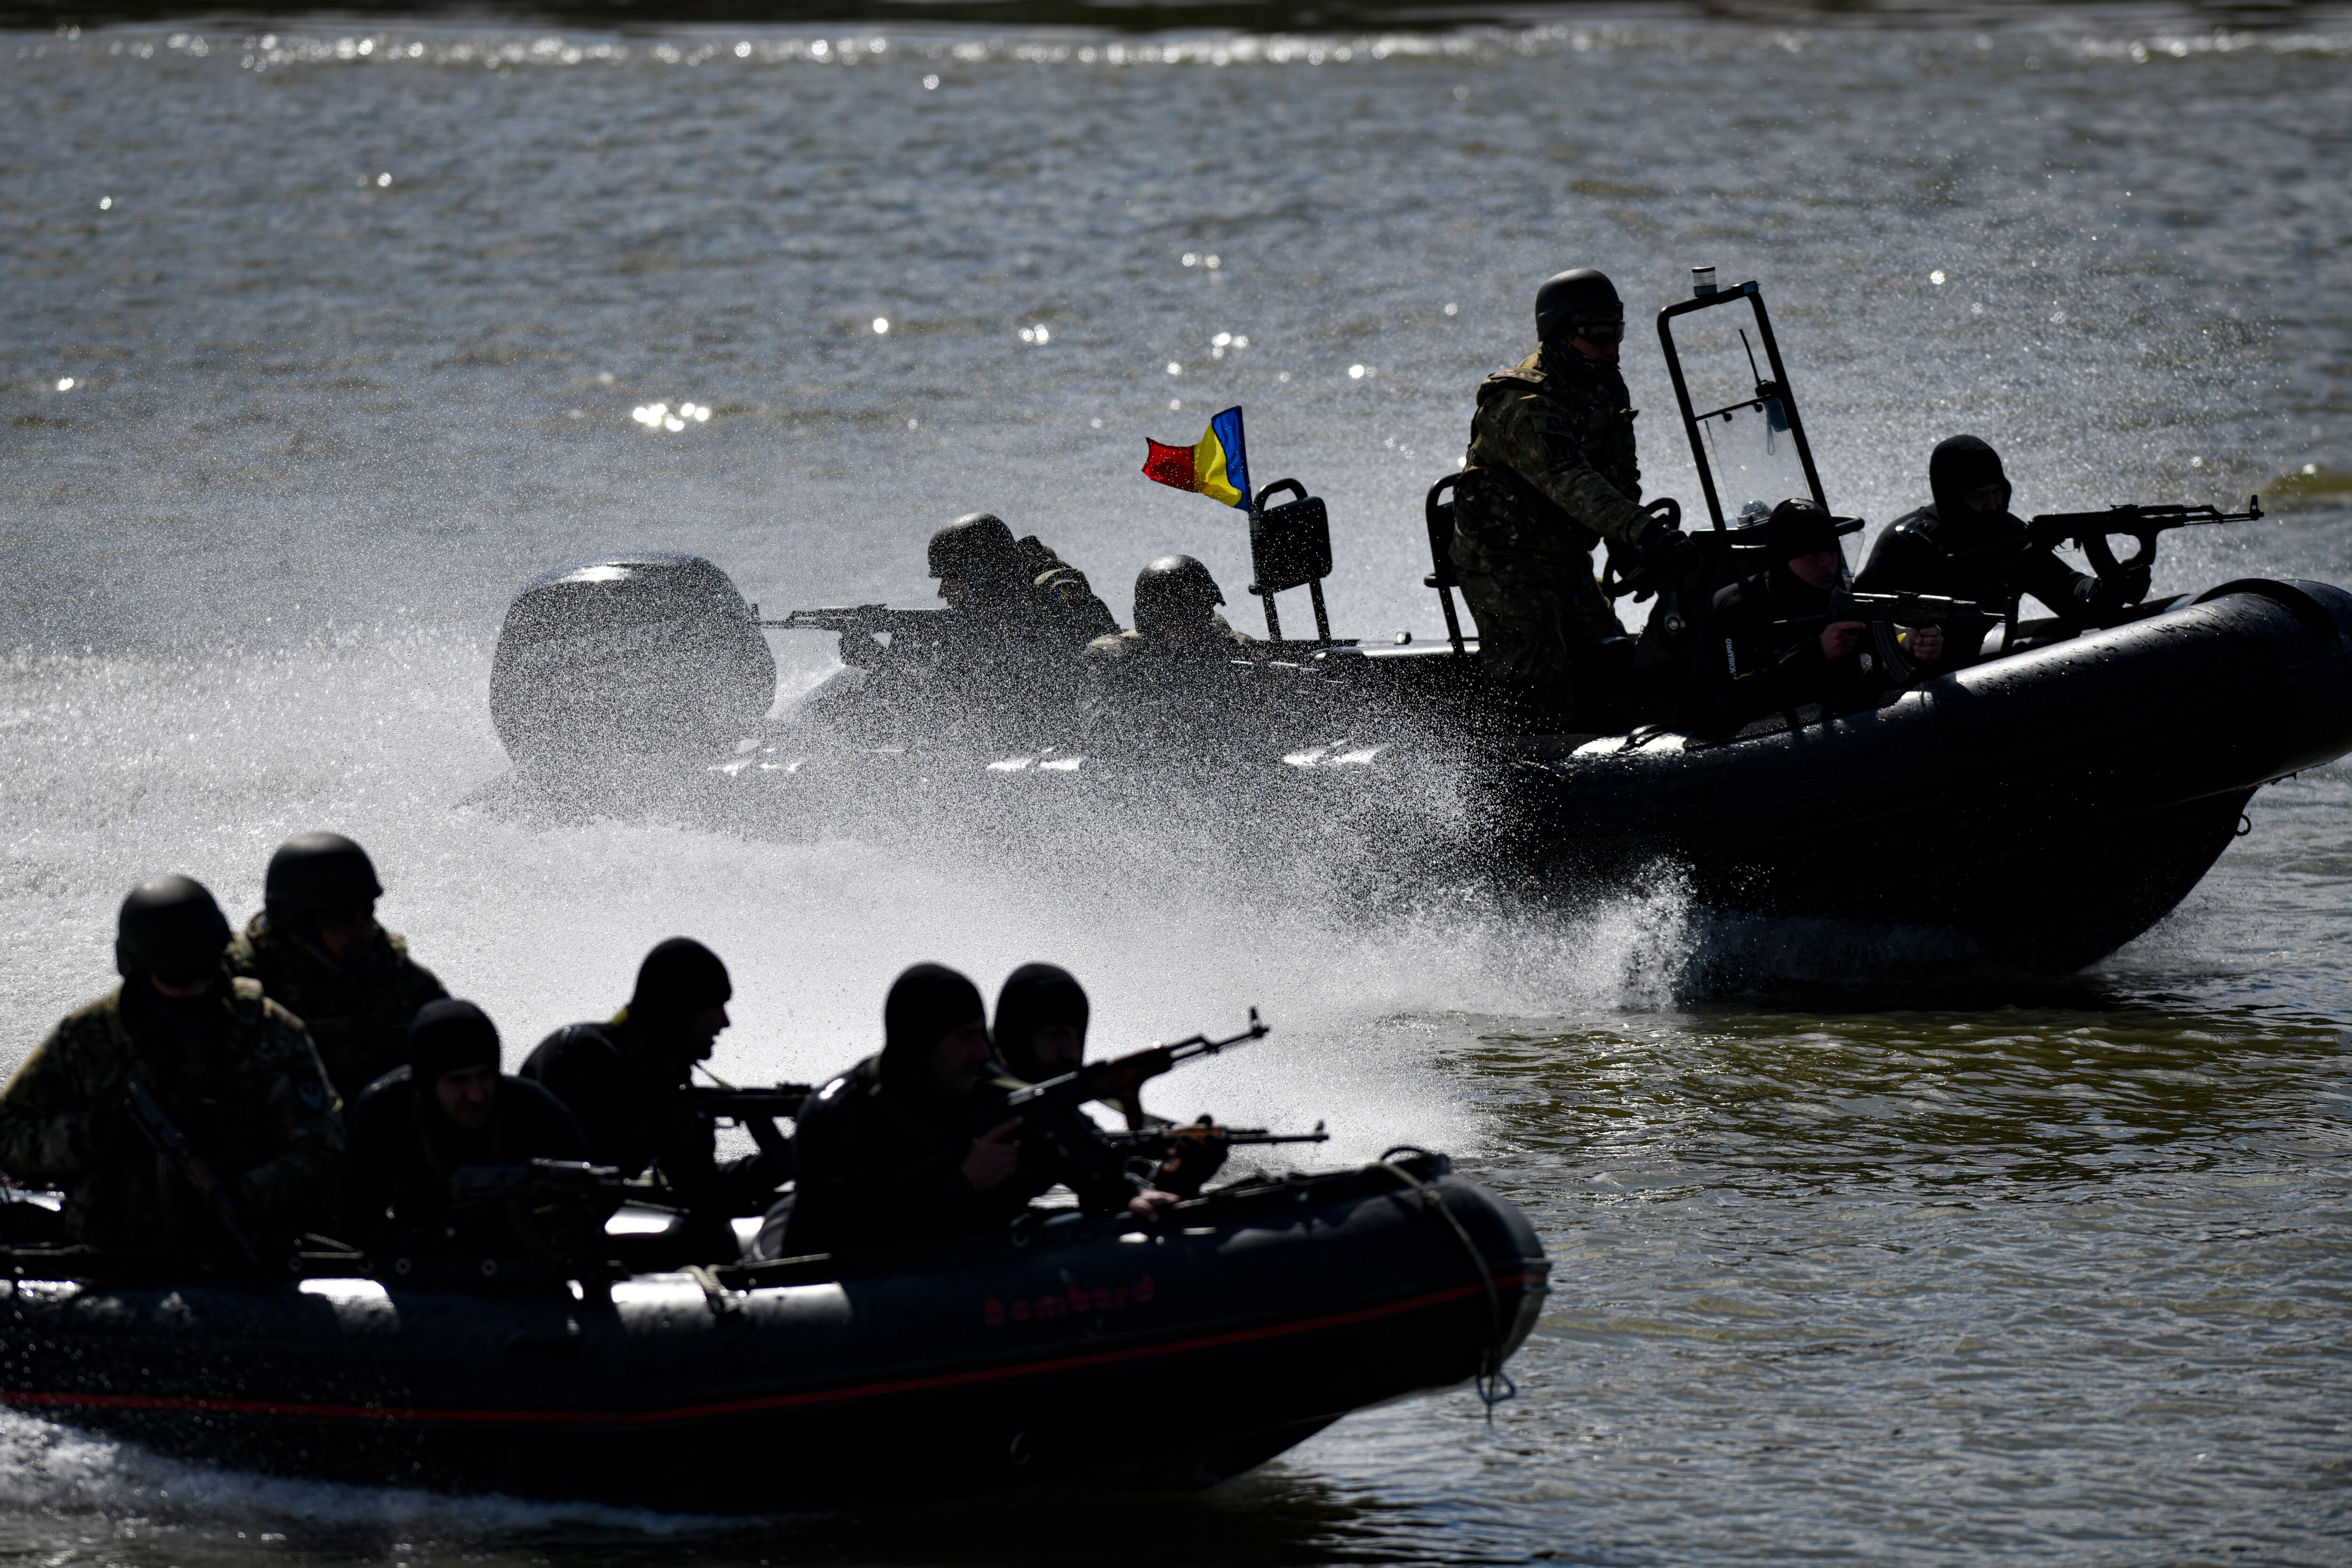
point(418, 1124)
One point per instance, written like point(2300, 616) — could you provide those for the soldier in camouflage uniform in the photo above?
point(318, 952)
point(1183, 675)
point(1019, 587)
point(234, 1072)
point(1003, 664)
point(1549, 474)
point(1176, 619)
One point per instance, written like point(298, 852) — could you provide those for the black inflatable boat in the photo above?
point(2126, 755)
point(1251, 1318)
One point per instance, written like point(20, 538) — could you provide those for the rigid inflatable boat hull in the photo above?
point(2053, 804)
point(2050, 805)
point(1239, 1328)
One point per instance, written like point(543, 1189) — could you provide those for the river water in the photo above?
point(316, 340)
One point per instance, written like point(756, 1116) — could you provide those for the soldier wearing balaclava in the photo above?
point(1966, 545)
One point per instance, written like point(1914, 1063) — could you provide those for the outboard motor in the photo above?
point(632, 656)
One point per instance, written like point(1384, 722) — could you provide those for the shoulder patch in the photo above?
point(311, 1093)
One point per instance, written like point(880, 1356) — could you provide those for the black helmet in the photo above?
point(315, 871)
point(1172, 590)
point(1574, 297)
point(977, 547)
point(169, 925)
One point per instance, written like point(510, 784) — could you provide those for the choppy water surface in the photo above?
point(319, 338)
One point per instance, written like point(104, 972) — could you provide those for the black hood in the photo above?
point(448, 1035)
point(1958, 466)
point(679, 979)
point(927, 1003)
point(1035, 996)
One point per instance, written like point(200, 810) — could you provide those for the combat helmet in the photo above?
point(1174, 591)
point(313, 872)
point(169, 925)
point(976, 548)
point(1579, 298)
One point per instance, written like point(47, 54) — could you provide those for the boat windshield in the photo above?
point(1745, 434)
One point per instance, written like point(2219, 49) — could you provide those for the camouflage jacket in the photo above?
point(1058, 602)
point(1133, 650)
point(251, 1096)
point(357, 1013)
point(1550, 469)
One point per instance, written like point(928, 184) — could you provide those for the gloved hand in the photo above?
point(2128, 586)
point(1666, 550)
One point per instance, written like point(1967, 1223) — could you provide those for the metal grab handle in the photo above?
point(1438, 515)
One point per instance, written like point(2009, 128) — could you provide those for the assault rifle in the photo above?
point(1894, 609)
point(861, 627)
point(174, 1145)
point(1118, 1080)
point(530, 1191)
point(1172, 1138)
point(536, 1183)
point(756, 1110)
point(2091, 530)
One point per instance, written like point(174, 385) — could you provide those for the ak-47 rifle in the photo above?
point(538, 1191)
point(862, 626)
point(1172, 1137)
point(174, 1145)
point(1118, 1080)
point(535, 1182)
point(1893, 610)
point(756, 1110)
point(2091, 530)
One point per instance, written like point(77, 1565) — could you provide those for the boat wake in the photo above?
point(133, 1494)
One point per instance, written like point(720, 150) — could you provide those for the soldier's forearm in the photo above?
point(1597, 504)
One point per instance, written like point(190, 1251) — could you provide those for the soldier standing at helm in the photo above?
point(319, 952)
point(232, 1072)
point(1549, 472)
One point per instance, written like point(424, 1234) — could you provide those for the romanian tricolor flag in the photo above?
point(1216, 465)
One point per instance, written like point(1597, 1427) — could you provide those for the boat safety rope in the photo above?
point(1493, 1384)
